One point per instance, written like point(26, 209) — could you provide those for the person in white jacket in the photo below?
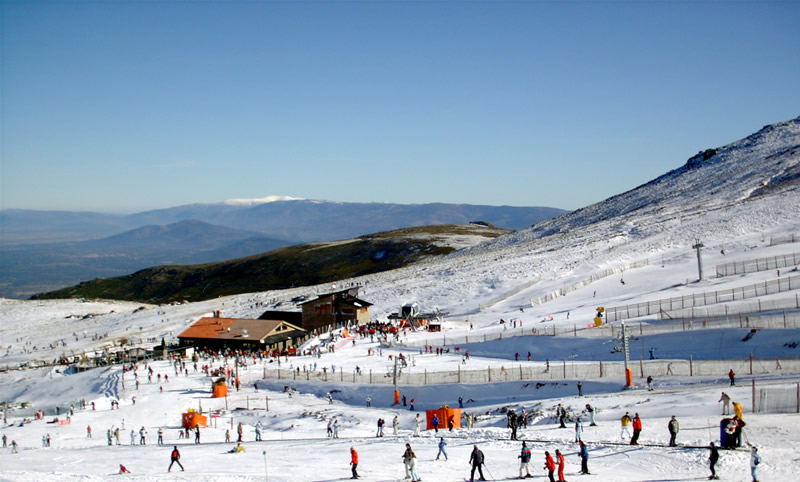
point(417, 425)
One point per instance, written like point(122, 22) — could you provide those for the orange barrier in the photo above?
point(628, 377)
point(192, 419)
point(445, 414)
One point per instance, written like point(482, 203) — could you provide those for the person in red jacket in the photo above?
point(637, 429)
point(561, 463)
point(123, 469)
point(175, 458)
point(354, 461)
point(550, 465)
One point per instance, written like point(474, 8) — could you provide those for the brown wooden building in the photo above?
point(335, 308)
point(233, 333)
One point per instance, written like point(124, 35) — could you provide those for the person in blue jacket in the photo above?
point(584, 453)
point(435, 423)
point(442, 451)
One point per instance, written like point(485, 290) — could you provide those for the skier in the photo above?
point(335, 427)
point(649, 383)
point(476, 459)
point(197, 434)
point(330, 428)
point(240, 431)
point(435, 423)
point(142, 436)
point(330, 398)
point(175, 458)
point(580, 389)
point(460, 402)
point(88, 431)
point(369, 401)
point(550, 465)
point(562, 416)
point(755, 459)
point(411, 405)
point(673, 428)
point(712, 460)
point(525, 461)
point(417, 424)
point(726, 403)
point(732, 376)
point(561, 464)
point(133, 437)
point(637, 429)
point(442, 451)
point(395, 426)
point(625, 421)
point(578, 429)
point(160, 436)
point(354, 462)
point(584, 454)
point(228, 436)
point(258, 431)
point(5, 441)
point(591, 411)
point(123, 469)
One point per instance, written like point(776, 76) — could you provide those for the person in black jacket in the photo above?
point(712, 459)
point(476, 459)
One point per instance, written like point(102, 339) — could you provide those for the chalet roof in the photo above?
point(239, 329)
point(347, 299)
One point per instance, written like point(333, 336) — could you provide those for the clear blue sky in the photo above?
point(123, 106)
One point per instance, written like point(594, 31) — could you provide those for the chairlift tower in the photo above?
point(697, 246)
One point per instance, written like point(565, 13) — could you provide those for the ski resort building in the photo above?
point(217, 333)
point(335, 308)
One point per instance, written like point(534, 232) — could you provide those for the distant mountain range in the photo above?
point(46, 250)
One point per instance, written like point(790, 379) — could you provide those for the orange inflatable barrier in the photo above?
point(193, 419)
point(445, 414)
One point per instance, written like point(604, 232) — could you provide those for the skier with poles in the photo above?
point(476, 460)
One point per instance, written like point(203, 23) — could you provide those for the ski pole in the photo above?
point(488, 471)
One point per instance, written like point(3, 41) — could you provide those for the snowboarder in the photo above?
point(561, 464)
point(417, 425)
point(578, 429)
point(525, 461)
point(726, 403)
point(550, 465)
point(175, 458)
point(442, 451)
point(354, 462)
point(732, 376)
point(755, 459)
point(637, 429)
point(625, 421)
point(673, 428)
point(476, 459)
point(584, 454)
point(712, 460)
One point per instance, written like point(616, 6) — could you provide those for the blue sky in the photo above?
point(124, 106)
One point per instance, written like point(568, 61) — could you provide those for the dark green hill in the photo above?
point(300, 265)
